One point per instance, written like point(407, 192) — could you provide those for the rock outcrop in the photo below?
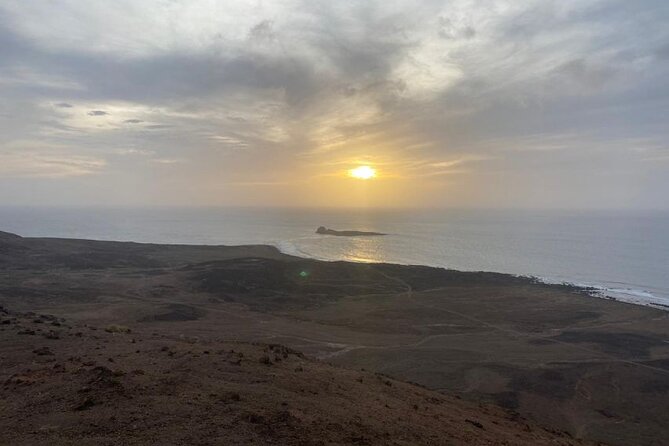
point(326, 231)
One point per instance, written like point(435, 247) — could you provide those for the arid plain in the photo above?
point(553, 354)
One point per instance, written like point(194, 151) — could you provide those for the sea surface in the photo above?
point(623, 254)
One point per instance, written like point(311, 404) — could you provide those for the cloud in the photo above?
point(167, 161)
point(158, 126)
point(663, 52)
point(586, 74)
point(450, 30)
point(263, 31)
point(314, 84)
point(229, 141)
point(130, 152)
point(48, 165)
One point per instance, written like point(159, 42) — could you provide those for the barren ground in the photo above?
point(558, 358)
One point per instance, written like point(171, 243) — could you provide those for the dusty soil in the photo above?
point(560, 358)
point(64, 383)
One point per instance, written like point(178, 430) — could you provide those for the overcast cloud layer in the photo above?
point(523, 103)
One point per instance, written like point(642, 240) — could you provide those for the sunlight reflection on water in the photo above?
point(360, 249)
point(626, 251)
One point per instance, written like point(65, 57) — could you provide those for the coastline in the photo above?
point(625, 295)
point(631, 296)
point(511, 340)
point(621, 255)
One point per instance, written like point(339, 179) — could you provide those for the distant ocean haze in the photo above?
point(625, 253)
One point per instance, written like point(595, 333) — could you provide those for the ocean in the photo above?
point(623, 254)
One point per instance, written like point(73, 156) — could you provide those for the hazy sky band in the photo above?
point(457, 103)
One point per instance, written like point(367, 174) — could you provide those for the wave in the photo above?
point(629, 295)
point(291, 248)
point(639, 297)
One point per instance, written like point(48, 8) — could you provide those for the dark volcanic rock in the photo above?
point(43, 351)
point(52, 335)
point(85, 404)
point(176, 313)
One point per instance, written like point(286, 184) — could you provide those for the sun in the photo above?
point(362, 172)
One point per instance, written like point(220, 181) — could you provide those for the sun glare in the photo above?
point(362, 173)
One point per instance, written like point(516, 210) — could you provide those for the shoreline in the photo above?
point(592, 250)
point(630, 296)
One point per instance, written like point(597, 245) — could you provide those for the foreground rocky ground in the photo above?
point(63, 383)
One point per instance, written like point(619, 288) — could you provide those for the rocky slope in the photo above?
point(66, 383)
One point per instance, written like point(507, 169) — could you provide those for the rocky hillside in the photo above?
point(62, 383)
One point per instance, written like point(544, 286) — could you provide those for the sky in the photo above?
point(462, 103)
